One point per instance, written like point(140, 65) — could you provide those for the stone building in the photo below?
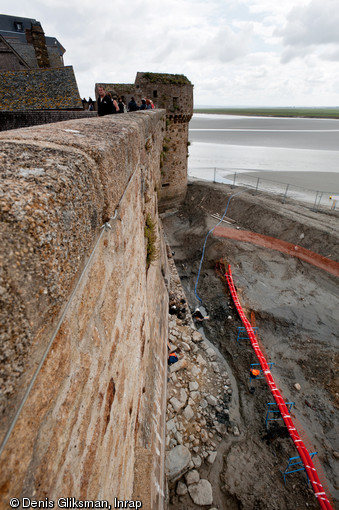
point(33, 77)
point(174, 93)
point(23, 45)
point(36, 88)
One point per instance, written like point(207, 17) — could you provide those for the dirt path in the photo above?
point(296, 309)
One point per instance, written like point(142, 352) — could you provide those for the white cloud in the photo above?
point(222, 45)
point(311, 29)
point(248, 52)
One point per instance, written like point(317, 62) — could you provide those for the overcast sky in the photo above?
point(235, 52)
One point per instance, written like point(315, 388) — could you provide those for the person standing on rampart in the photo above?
point(121, 105)
point(113, 98)
point(105, 105)
point(132, 105)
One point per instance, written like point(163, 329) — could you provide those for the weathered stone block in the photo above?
point(201, 493)
point(177, 462)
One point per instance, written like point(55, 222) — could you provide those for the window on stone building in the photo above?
point(175, 102)
point(155, 93)
point(18, 26)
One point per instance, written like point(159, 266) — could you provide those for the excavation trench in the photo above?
point(295, 307)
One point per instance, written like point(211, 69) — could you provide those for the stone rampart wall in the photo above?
point(19, 119)
point(92, 426)
point(173, 92)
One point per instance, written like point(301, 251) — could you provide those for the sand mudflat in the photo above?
point(322, 181)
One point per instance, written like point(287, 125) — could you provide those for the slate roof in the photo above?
point(7, 23)
point(9, 58)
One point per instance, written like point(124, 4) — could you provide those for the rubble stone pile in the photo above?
point(198, 396)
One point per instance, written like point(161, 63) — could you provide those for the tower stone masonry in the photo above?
point(174, 93)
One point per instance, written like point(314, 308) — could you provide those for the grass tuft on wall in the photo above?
point(151, 236)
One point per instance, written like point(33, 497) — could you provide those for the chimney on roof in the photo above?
point(28, 33)
point(39, 42)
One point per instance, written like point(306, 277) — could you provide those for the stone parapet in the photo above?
point(96, 409)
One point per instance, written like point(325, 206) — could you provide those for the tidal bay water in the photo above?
point(296, 151)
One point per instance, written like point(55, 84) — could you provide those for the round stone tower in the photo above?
point(173, 92)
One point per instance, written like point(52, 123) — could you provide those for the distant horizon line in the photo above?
point(256, 107)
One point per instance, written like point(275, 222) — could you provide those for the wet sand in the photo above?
point(299, 152)
point(266, 132)
point(311, 180)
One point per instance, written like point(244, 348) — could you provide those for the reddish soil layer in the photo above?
point(294, 250)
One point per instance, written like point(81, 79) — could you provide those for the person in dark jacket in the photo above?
point(143, 104)
point(132, 105)
point(105, 105)
point(121, 105)
point(114, 99)
point(172, 358)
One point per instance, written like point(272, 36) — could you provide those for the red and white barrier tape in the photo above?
point(299, 444)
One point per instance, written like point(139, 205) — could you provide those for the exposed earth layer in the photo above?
point(295, 307)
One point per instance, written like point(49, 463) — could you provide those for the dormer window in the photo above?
point(18, 26)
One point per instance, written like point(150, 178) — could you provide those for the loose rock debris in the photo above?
point(199, 392)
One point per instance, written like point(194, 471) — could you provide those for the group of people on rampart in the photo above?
point(108, 104)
